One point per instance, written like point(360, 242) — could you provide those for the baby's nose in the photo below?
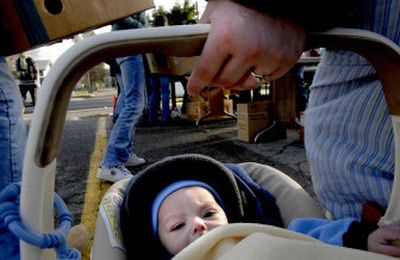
point(199, 227)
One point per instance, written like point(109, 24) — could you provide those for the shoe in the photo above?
point(134, 160)
point(114, 174)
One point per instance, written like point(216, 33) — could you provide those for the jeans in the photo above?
point(159, 83)
point(133, 96)
point(12, 147)
point(120, 100)
point(12, 128)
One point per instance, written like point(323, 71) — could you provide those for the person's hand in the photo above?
point(242, 40)
point(380, 241)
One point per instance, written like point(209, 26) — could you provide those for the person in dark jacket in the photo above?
point(28, 76)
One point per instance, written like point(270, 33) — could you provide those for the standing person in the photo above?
point(12, 147)
point(348, 138)
point(28, 75)
point(159, 85)
point(120, 149)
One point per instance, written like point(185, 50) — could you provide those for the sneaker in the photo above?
point(134, 160)
point(114, 174)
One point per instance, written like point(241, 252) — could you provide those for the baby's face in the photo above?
point(185, 215)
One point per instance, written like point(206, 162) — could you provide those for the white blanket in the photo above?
point(256, 241)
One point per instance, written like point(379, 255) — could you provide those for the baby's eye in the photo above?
point(178, 226)
point(209, 213)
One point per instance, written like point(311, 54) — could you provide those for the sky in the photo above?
point(168, 4)
point(53, 51)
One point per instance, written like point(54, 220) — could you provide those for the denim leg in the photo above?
point(154, 101)
point(12, 128)
point(164, 85)
point(12, 148)
point(120, 143)
point(120, 99)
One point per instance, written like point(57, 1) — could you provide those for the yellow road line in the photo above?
point(95, 188)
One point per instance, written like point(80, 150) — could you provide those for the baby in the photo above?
point(183, 212)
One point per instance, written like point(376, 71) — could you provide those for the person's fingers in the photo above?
point(195, 86)
point(232, 72)
point(396, 243)
point(277, 73)
point(383, 240)
point(392, 234)
point(396, 223)
point(248, 81)
point(204, 71)
point(388, 250)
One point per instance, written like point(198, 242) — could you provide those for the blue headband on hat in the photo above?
point(174, 187)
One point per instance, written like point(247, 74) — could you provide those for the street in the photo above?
point(85, 138)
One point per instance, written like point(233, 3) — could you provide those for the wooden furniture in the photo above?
point(215, 108)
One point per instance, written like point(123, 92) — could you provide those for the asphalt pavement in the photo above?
point(217, 139)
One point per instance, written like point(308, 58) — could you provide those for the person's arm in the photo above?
point(350, 233)
point(313, 15)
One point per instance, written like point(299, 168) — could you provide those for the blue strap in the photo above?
point(10, 218)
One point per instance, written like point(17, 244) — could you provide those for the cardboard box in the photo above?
point(254, 107)
point(252, 118)
point(284, 96)
point(170, 65)
point(30, 23)
point(250, 125)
